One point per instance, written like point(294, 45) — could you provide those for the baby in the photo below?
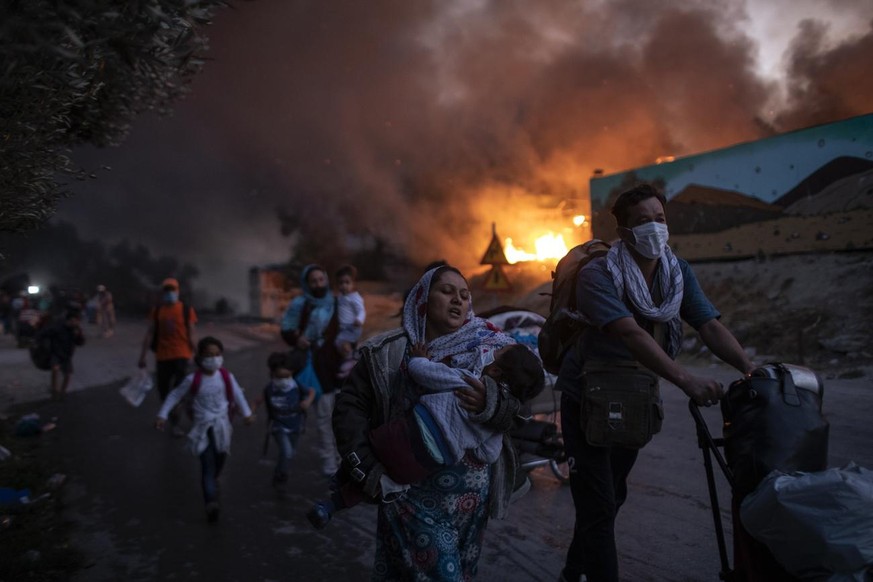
point(438, 432)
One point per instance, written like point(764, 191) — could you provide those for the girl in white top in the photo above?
point(214, 395)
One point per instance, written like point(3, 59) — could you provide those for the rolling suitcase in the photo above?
point(772, 420)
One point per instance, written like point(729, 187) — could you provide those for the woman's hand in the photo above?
point(472, 400)
point(418, 350)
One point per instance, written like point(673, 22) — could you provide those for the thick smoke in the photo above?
point(423, 122)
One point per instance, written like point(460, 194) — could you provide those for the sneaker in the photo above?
point(212, 510)
point(319, 515)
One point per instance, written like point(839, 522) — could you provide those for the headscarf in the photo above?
point(464, 348)
point(627, 276)
point(322, 308)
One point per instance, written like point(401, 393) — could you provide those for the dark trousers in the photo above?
point(168, 375)
point(598, 482)
point(211, 464)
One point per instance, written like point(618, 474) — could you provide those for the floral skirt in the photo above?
point(435, 532)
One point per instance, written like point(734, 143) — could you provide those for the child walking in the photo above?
point(214, 397)
point(287, 403)
point(438, 432)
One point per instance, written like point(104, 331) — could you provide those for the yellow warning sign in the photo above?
point(494, 255)
point(496, 280)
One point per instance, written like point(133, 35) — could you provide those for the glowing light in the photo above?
point(548, 247)
point(579, 220)
point(33, 289)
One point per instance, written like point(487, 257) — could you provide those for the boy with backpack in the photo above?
point(213, 396)
point(287, 403)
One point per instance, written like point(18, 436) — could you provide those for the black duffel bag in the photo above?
point(773, 420)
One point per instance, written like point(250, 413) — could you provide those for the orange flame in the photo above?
point(548, 247)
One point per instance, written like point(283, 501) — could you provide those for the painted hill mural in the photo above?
point(806, 191)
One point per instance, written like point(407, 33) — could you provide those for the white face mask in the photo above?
point(284, 384)
point(211, 364)
point(651, 238)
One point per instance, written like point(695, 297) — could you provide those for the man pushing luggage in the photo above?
point(633, 301)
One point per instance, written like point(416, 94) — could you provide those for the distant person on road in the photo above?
point(634, 300)
point(105, 311)
point(287, 403)
point(213, 396)
point(63, 337)
point(170, 336)
point(311, 324)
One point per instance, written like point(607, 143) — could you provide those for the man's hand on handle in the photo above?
point(703, 391)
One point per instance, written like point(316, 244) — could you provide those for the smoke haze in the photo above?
point(423, 122)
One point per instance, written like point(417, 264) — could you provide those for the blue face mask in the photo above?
point(171, 296)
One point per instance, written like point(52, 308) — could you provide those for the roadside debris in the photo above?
point(30, 425)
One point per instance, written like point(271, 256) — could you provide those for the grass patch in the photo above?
point(34, 538)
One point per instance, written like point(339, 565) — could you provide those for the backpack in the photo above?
point(41, 350)
point(186, 314)
point(564, 323)
point(195, 387)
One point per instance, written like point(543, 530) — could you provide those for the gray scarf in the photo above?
point(629, 279)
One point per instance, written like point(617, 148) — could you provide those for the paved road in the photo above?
point(135, 495)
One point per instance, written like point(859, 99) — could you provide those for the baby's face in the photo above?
point(345, 284)
point(493, 369)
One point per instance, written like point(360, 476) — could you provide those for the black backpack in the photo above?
point(564, 324)
point(41, 350)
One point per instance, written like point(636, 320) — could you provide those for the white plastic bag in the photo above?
point(135, 390)
point(819, 525)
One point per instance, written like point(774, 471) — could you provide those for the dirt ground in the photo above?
point(814, 309)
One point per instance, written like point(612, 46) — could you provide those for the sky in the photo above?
point(424, 122)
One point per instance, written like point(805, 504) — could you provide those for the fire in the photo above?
point(579, 220)
point(548, 247)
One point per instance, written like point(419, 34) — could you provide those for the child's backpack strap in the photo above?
point(228, 392)
point(195, 383)
point(192, 392)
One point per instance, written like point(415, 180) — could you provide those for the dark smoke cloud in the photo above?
point(828, 82)
point(425, 121)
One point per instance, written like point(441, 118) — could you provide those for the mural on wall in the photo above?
point(805, 191)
